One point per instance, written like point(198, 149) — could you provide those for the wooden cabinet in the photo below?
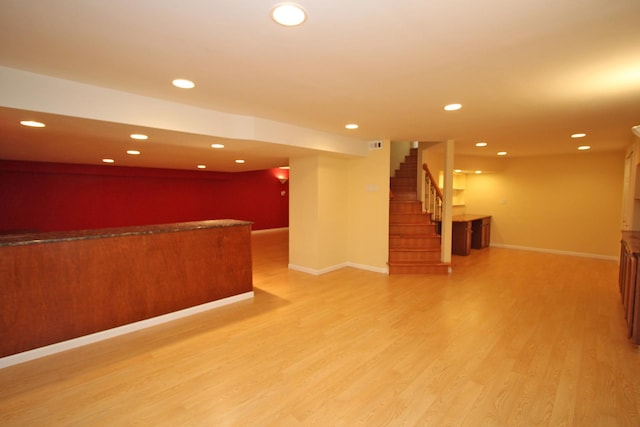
point(461, 238)
point(470, 232)
point(628, 282)
point(631, 188)
point(480, 233)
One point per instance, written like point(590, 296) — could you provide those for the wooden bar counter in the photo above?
point(59, 286)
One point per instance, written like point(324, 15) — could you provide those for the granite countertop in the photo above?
point(60, 236)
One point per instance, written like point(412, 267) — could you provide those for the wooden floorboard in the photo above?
point(510, 338)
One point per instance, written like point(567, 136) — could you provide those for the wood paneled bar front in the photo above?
point(62, 285)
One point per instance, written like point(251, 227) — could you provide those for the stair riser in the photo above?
point(414, 243)
point(409, 164)
point(399, 207)
point(421, 256)
point(403, 181)
point(403, 186)
point(404, 195)
point(406, 173)
point(404, 189)
point(398, 229)
point(409, 218)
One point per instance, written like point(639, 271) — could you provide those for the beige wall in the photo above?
point(303, 212)
point(317, 212)
point(399, 150)
point(333, 211)
point(570, 203)
point(369, 209)
point(338, 212)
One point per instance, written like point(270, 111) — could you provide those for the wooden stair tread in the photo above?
point(414, 250)
point(413, 236)
point(426, 222)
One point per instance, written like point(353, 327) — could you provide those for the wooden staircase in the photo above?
point(414, 243)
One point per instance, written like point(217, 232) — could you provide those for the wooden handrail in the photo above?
point(432, 196)
point(433, 181)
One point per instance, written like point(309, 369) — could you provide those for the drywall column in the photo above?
point(447, 208)
point(339, 212)
point(368, 209)
point(318, 209)
point(303, 201)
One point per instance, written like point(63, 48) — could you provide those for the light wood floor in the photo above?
point(511, 338)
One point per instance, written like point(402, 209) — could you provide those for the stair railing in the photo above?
point(432, 196)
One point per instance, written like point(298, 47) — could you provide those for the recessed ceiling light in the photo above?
point(478, 172)
point(452, 107)
point(183, 84)
point(138, 136)
point(502, 153)
point(288, 14)
point(32, 124)
point(217, 145)
point(239, 161)
point(108, 161)
point(481, 144)
point(578, 135)
point(133, 152)
point(352, 126)
point(584, 147)
point(457, 170)
point(202, 166)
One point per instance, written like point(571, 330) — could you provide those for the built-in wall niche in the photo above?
point(459, 183)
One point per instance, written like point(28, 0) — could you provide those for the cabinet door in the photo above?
point(633, 317)
point(629, 297)
point(461, 238)
point(622, 269)
point(486, 232)
point(480, 233)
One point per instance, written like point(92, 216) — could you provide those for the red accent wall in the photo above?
point(56, 197)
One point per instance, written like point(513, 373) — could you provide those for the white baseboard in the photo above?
point(555, 252)
point(36, 353)
point(317, 272)
point(384, 270)
point(269, 230)
point(338, 267)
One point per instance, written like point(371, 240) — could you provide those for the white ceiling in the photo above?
point(528, 73)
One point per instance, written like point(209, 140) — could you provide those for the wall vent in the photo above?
point(375, 145)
